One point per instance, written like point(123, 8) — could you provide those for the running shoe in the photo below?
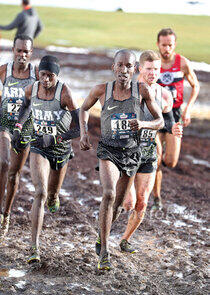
point(98, 245)
point(4, 226)
point(126, 247)
point(157, 205)
point(35, 256)
point(53, 204)
point(104, 262)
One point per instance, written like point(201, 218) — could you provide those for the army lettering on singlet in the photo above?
point(13, 92)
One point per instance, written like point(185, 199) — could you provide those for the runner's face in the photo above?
point(47, 79)
point(150, 71)
point(22, 52)
point(167, 46)
point(124, 68)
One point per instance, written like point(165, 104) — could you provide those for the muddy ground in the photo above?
point(172, 245)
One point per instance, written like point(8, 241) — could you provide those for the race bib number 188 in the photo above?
point(120, 125)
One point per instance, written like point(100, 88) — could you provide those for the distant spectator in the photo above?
point(27, 22)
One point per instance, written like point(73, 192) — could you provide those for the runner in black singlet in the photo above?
point(118, 150)
point(15, 76)
point(53, 111)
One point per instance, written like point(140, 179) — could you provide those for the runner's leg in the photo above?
point(173, 147)
point(144, 183)
point(17, 162)
point(40, 169)
point(158, 179)
point(4, 163)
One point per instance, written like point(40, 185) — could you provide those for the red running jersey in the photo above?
point(173, 79)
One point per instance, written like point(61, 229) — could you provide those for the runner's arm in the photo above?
point(153, 107)
point(26, 106)
point(14, 24)
point(167, 101)
point(192, 79)
point(39, 28)
point(91, 99)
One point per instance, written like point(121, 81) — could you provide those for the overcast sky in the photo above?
point(159, 6)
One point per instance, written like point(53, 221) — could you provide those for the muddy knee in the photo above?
point(4, 165)
point(109, 195)
point(140, 208)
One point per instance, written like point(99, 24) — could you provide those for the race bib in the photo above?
point(148, 135)
point(120, 126)
point(45, 127)
point(13, 108)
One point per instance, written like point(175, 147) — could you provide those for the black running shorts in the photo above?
point(127, 160)
point(56, 162)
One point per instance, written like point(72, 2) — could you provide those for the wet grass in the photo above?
point(84, 28)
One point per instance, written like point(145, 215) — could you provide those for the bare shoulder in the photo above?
point(145, 91)
point(67, 100)
point(185, 64)
point(98, 90)
point(28, 91)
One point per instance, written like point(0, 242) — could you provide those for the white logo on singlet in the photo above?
point(167, 78)
point(110, 108)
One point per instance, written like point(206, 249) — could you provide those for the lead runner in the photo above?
point(118, 150)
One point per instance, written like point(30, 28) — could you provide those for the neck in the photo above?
point(21, 68)
point(123, 86)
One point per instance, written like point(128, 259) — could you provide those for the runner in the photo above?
point(174, 68)
point(150, 64)
point(118, 150)
point(53, 111)
point(15, 76)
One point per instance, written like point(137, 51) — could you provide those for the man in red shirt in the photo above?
point(174, 68)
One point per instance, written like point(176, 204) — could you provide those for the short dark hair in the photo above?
point(124, 51)
point(166, 32)
point(25, 2)
point(22, 37)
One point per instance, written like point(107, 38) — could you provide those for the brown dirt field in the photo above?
point(172, 244)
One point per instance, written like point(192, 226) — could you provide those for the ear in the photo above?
point(112, 67)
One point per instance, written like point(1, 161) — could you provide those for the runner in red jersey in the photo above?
point(174, 68)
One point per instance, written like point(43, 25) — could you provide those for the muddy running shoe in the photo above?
point(4, 226)
point(53, 204)
point(104, 262)
point(98, 245)
point(35, 256)
point(157, 205)
point(126, 247)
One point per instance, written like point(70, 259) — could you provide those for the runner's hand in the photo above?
point(16, 141)
point(45, 141)
point(186, 118)
point(135, 124)
point(177, 130)
point(85, 143)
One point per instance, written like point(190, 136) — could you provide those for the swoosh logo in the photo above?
point(110, 108)
point(11, 84)
point(37, 104)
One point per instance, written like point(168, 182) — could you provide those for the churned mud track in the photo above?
point(172, 244)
